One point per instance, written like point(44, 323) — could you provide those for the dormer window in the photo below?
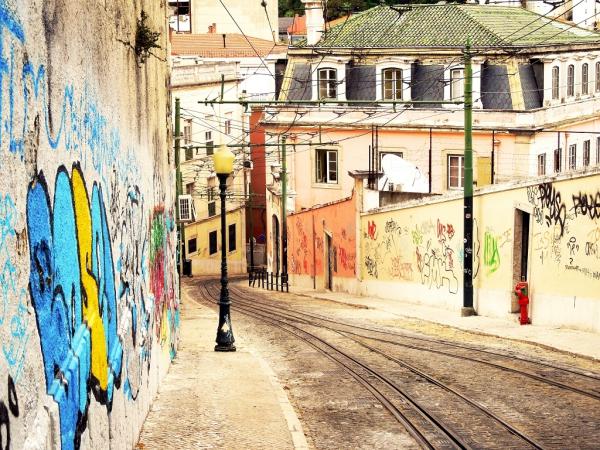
point(391, 84)
point(457, 87)
point(327, 82)
point(571, 80)
point(555, 82)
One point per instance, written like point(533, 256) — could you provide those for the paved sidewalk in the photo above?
point(572, 341)
point(218, 400)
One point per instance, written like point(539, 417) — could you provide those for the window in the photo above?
point(212, 209)
point(584, 79)
point(392, 84)
point(212, 205)
point(231, 238)
point(189, 188)
point(457, 84)
point(326, 166)
point(327, 81)
point(227, 126)
point(187, 131)
point(598, 77)
point(208, 142)
point(586, 153)
point(192, 248)
point(456, 171)
point(542, 164)
point(557, 160)
point(598, 150)
point(187, 139)
point(212, 242)
point(572, 157)
point(571, 80)
point(555, 83)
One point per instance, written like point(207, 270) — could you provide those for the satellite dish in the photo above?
point(402, 174)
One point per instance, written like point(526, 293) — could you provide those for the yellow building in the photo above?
point(203, 244)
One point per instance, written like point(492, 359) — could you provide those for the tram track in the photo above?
point(450, 436)
point(572, 380)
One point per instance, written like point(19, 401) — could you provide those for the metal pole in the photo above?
point(468, 309)
point(225, 337)
point(283, 211)
point(178, 189)
point(430, 156)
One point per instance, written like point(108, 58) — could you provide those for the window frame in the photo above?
point(587, 144)
point(322, 174)
point(558, 160)
point(461, 172)
point(555, 83)
point(231, 243)
point(585, 76)
point(189, 248)
point(572, 157)
point(213, 244)
point(571, 80)
point(397, 83)
point(457, 82)
point(331, 84)
point(541, 160)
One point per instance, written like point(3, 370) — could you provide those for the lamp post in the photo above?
point(223, 161)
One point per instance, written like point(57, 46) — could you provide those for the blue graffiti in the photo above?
point(79, 123)
point(57, 295)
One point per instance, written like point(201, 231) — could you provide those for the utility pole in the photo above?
point(467, 309)
point(283, 212)
point(178, 189)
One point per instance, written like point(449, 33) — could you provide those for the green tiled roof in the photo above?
point(449, 25)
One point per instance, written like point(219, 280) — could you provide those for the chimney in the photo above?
point(315, 24)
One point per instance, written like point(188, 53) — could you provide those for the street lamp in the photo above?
point(223, 161)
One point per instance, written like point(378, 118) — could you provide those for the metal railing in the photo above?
point(261, 278)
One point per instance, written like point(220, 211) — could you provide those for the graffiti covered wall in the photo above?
point(420, 246)
point(323, 239)
point(89, 309)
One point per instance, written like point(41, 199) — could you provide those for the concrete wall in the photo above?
point(419, 248)
point(205, 263)
point(88, 288)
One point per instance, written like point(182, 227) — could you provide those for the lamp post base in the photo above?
point(224, 348)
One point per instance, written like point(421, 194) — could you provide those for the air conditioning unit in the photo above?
point(186, 208)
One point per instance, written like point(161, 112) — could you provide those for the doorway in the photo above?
point(520, 252)
point(276, 244)
point(329, 262)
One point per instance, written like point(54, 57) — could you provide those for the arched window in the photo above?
point(392, 84)
point(555, 82)
point(327, 81)
point(598, 77)
point(571, 80)
point(584, 79)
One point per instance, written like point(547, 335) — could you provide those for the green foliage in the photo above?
point(145, 39)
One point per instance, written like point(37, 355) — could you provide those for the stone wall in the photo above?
point(88, 287)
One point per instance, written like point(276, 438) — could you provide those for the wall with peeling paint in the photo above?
point(320, 240)
point(89, 306)
point(414, 252)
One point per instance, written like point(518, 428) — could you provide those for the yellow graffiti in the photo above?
point(91, 307)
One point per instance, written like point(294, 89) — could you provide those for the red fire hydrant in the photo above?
point(521, 292)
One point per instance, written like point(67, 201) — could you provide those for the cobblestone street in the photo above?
point(336, 411)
